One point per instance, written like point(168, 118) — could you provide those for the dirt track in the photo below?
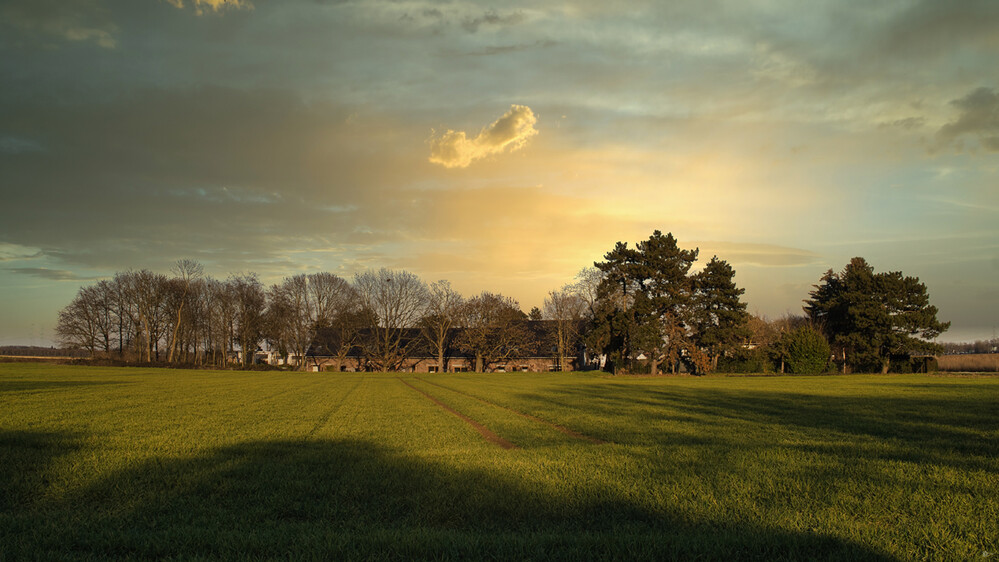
point(483, 430)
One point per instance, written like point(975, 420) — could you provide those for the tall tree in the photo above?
point(309, 303)
point(77, 326)
point(614, 318)
point(665, 304)
point(145, 292)
point(494, 329)
point(185, 271)
point(869, 317)
point(565, 309)
point(719, 317)
point(587, 286)
point(442, 316)
point(644, 302)
point(330, 295)
point(343, 334)
point(249, 300)
point(284, 322)
point(398, 299)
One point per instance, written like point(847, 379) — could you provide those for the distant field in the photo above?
point(972, 362)
point(155, 463)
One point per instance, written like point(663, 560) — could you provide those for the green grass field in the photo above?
point(155, 463)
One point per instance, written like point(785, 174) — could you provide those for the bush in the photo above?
point(807, 351)
point(746, 361)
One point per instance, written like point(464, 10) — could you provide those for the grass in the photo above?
point(111, 463)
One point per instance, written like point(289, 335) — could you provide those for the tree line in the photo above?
point(977, 346)
point(641, 309)
point(191, 318)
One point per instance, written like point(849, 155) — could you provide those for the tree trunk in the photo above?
point(655, 367)
point(885, 363)
point(176, 328)
point(478, 362)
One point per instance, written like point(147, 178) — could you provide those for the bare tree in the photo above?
point(192, 339)
point(77, 324)
point(329, 294)
point(442, 316)
point(398, 299)
point(280, 319)
point(565, 308)
point(343, 335)
point(292, 310)
point(221, 308)
point(185, 270)
point(586, 287)
point(89, 320)
point(249, 300)
point(303, 304)
point(145, 292)
point(495, 329)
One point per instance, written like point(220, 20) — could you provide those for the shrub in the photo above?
point(746, 361)
point(807, 351)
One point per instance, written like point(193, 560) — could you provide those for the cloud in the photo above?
point(12, 252)
point(51, 274)
point(454, 149)
point(491, 18)
point(84, 20)
point(213, 5)
point(979, 117)
point(906, 123)
point(504, 49)
point(208, 173)
point(929, 28)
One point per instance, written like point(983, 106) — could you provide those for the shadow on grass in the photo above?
point(950, 429)
point(355, 500)
point(28, 386)
point(25, 460)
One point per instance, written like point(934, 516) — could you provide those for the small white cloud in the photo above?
point(453, 149)
point(213, 5)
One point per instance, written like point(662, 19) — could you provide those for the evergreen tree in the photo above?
point(614, 314)
point(870, 317)
point(720, 318)
point(645, 304)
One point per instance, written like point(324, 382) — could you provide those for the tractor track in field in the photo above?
point(483, 430)
point(536, 419)
point(264, 399)
point(329, 413)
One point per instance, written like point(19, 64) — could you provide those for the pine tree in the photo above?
point(870, 317)
point(719, 318)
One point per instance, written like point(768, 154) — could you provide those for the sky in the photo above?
point(501, 146)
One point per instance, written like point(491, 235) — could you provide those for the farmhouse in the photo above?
point(329, 353)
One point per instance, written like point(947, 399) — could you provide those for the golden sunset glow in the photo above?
point(502, 148)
